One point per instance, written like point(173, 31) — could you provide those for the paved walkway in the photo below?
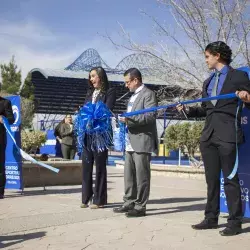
point(53, 219)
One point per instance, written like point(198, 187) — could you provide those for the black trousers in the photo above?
point(100, 189)
point(218, 155)
point(2, 168)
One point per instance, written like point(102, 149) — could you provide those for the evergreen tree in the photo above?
point(28, 88)
point(11, 77)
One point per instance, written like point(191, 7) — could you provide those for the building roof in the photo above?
point(85, 75)
point(61, 73)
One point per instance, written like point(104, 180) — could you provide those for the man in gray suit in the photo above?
point(141, 142)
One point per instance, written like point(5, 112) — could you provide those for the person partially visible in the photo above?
point(5, 111)
point(58, 138)
point(57, 131)
point(68, 142)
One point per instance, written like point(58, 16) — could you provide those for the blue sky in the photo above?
point(52, 33)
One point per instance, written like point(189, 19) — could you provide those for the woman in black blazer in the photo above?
point(99, 90)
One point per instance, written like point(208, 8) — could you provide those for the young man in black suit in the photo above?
point(6, 111)
point(219, 139)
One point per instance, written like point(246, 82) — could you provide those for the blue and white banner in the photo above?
point(24, 155)
point(14, 153)
point(244, 169)
point(13, 166)
point(244, 160)
point(50, 145)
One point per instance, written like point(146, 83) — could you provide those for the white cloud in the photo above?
point(36, 46)
point(33, 46)
point(28, 31)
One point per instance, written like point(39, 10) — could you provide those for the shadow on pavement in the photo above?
point(9, 240)
point(47, 191)
point(176, 209)
point(175, 200)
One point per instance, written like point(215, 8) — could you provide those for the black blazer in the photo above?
point(221, 117)
point(108, 97)
point(67, 135)
point(5, 110)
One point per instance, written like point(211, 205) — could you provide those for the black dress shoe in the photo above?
point(122, 209)
point(231, 231)
point(136, 213)
point(1, 196)
point(206, 224)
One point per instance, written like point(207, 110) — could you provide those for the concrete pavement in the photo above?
point(54, 220)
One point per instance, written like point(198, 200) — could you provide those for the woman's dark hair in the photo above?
point(103, 77)
point(221, 48)
point(133, 73)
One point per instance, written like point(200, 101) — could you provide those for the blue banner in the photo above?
point(243, 171)
point(13, 166)
point(244, 159)
point(50, 144)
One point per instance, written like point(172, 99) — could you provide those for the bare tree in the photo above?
point(179, 57)
point(204, 21)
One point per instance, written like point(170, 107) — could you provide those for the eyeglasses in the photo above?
point(129, 81)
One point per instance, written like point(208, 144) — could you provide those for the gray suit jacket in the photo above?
point(67, 135)
point(142, 129)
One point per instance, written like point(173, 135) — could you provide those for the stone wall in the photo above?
point(70, 174)
point(171, 170)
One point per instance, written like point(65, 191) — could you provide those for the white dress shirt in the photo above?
point(129, 108)
point(95, 94)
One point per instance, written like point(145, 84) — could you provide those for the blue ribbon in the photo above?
point(143, 111)
point(94, 122)
point(236, 164)
point(219, 97)
point(24, 154)
point(119, 136)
